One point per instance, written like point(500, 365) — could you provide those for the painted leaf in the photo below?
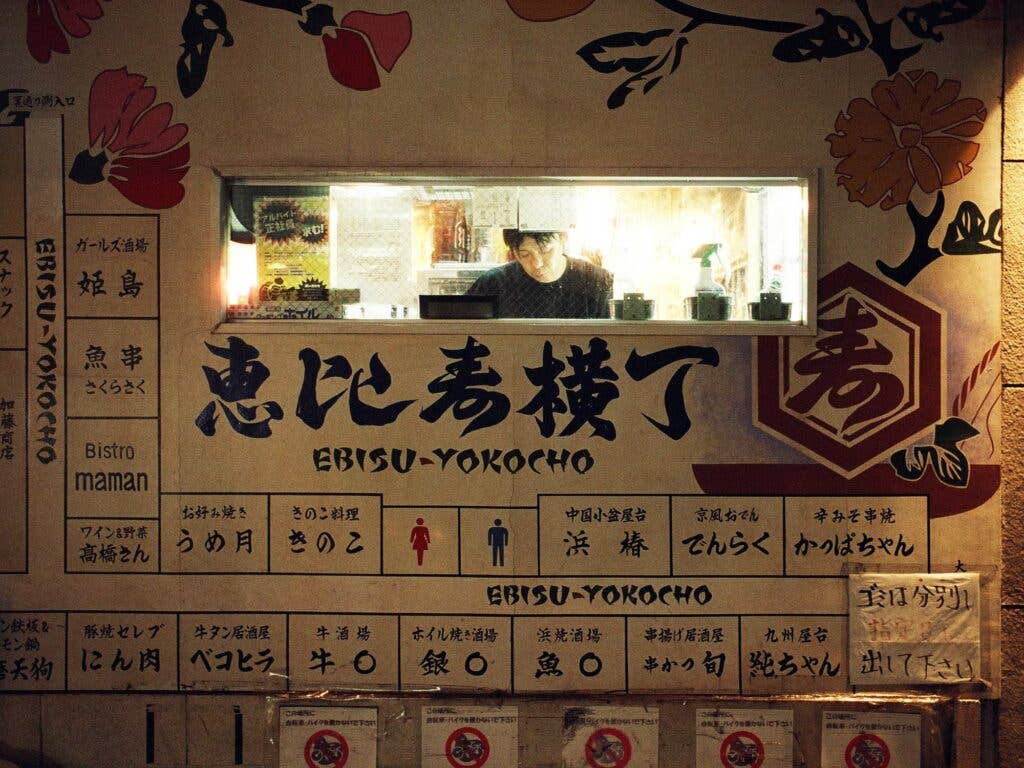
point(836, 36)
point(951, 466)
point(922, 20)
point(629, 51)
point(911, 463)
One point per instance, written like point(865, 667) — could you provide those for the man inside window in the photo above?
point(541, 281)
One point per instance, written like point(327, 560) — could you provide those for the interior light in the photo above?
point(241, 278)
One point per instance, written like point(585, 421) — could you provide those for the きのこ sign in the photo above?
point(911, 628)
point(327, 737)
point(610, 737)
point(744, 738)
point(870, 740)
point(470, 737)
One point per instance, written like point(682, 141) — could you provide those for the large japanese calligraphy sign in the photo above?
point(873, 377)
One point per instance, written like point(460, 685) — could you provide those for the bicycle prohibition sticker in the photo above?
point(326, 749)
point(608, 748)
point(467, 747)
point(871, 740)
point(742, 749)
point(327, 737)
point(610, 737)
point(867, 751)
point(469, 737)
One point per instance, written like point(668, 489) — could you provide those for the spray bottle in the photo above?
point(706, 282)
point(710, 303)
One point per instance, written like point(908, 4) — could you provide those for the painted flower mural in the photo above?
point(50, 22)
point(356, 49)
point(132, 143)
point(547, 10)
point(914, 131)
point(360, 38)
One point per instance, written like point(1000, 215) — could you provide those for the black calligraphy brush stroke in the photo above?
point(922, 254)
point(700, 16)
point(315, 17)
point(881, 41)
point(835, 36)
point(204, 23)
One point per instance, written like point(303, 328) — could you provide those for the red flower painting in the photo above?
point(913, 132)
point(363, 41)
point(133, 143)
point(49, 22)
point(547, 10)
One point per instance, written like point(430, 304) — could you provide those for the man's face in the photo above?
point(545, 264)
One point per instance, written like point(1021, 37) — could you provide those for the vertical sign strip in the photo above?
point(13, 356)
point(44, 245)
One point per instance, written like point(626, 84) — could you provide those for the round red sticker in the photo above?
point(467, 748)
point(326, 749)
point(867, 751)
point(608, 748)
point(742, 749)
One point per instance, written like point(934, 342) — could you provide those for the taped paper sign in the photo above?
point(470, 737)
point(293, 246)
point(327, 737)
point(917, 629)
point(610, 737)
point(744, 738)
point(870, 740)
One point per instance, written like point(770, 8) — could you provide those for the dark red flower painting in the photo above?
point(363, 41)
point(49, 22)
point(132, 143)
point(547, 10)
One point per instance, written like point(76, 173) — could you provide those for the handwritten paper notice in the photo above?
point(914, 628)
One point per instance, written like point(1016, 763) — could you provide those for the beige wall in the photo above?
point(711, 116)
point(1011, 717)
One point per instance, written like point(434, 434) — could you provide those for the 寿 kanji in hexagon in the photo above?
point(870, 380)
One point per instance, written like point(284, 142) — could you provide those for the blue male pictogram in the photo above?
point(497, 538)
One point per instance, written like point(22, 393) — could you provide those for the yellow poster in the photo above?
point(293, 247)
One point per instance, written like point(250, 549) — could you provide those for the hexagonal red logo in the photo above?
point(870, 380)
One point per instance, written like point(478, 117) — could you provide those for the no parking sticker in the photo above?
point(470, 737)
point(870, 740)
point(745, 738)
point(610, 737)
point(327, 737)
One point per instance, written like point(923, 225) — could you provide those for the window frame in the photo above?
point(312, 176)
